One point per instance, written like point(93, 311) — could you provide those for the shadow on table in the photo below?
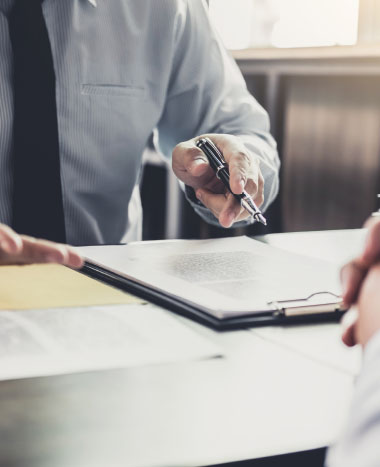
point(313, 458)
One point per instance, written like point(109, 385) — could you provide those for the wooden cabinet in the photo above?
point(324, 106)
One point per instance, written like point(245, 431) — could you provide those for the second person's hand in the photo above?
point(353, 276)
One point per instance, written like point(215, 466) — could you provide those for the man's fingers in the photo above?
point(352, 276)
point(194, 161)
point(74, 260)
point(256, 190)
point(57, 253)
point(233, 212)
point(242, 165)
point(224, 206)
point(241, 170)
point(22, 249)
point(211, 200)
point(230, 212)
point(214, 202)
point(190, 164)
point(10, 241)
point(42, 251)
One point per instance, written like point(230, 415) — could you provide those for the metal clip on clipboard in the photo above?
point(316, 303)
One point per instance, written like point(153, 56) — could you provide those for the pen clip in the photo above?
point(219, 168)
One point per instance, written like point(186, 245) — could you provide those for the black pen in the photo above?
point(220, 166)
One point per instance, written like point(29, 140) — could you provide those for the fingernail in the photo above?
point(197, 162)
point(79, 263)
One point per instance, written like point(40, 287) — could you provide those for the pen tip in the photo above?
point(261, 218)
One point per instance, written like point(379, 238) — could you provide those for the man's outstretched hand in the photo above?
point(191, 167)
point(20, 249)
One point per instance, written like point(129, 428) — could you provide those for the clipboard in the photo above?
point(318, 307)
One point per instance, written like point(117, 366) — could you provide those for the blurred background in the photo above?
point(315, 67)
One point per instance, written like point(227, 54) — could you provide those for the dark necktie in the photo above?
point(37, 197)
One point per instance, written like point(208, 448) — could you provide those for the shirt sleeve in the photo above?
point(360, 444)
point(207, 94)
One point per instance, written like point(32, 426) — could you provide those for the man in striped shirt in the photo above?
point(84, 83)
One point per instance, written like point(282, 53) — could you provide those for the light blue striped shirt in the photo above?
point(124, 68)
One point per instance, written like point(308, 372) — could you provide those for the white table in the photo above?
point(278, 390)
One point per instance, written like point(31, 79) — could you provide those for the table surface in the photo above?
point(278, 390)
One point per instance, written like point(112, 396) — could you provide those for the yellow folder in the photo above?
point(54, 286)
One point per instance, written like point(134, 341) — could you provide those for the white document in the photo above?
point(69, 340)
point(320, 342)
point(225, 277)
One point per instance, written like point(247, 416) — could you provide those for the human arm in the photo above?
point(359, 444)
point(207, 96)
point(361, 277)
point(354, 273)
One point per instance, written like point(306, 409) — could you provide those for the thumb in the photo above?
point(191, 166)
point(189, 158)
point(198, 165)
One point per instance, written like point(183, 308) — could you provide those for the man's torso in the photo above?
point(113, 65)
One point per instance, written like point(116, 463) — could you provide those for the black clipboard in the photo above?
point(284, 312)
